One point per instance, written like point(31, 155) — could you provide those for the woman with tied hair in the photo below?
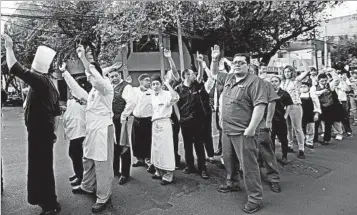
point(291, 83)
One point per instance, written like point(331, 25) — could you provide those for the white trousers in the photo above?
point(98, 175)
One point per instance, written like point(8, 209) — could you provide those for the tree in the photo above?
point(344, 53)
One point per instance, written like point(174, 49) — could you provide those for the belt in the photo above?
point(160, 119)
point(264, 130)
point(142, 118)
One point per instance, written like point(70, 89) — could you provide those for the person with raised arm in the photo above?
point(42, 111)
point(244, 100)
point(98, 145)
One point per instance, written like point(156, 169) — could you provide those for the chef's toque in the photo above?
point(43, 59)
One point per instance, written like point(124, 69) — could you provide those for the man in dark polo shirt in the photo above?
point(244, 100)
point(191, 120)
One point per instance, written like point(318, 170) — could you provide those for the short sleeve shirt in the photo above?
point(239, 100)
point(284, 101)
point(272, 96)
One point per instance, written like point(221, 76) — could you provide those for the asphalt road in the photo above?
point(323, 184)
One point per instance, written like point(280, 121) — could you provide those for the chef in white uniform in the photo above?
point(162, 149)
point(98, 145)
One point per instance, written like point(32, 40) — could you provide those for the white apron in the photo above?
point(162, 149)
point(95, 145)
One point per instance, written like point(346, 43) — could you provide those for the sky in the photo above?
point(346, 8)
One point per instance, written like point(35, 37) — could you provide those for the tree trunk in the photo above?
point(193, 66)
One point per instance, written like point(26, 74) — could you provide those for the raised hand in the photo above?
point(8, 41)
point(215, 52)
point(199, 57)
point(167, 53)
point(117, 65)
point(63, 67)
point(129, 79)
point(80, 51)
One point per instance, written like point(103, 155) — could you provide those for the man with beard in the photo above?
point(121, 109)
point(41, 119)
point(244, 100)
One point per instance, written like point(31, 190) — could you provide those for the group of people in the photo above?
point(252, 108)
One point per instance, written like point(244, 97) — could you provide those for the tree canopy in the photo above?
point(260, 28)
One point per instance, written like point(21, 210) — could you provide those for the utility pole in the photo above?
point(325, 48)
point(179, 35)
point(315, 47)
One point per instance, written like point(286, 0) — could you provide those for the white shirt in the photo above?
point(162, 104)
point(142, 103)
point(127, 96)
point(74, 120)
point(342, 88)
point(98, 112)
point(315, 100)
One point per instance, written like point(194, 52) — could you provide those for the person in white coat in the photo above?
point(98, 145)
point(162, 149)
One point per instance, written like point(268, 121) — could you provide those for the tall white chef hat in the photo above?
point(43, 59)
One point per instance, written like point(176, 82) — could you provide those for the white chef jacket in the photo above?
point(162, 104)
point(142, 102)
point(98, 112)
point(74, 120)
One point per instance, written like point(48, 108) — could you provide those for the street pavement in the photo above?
point(322, 184)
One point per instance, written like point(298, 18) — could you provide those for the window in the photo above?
point(148, 43)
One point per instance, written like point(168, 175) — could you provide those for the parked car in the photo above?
point(14, 99)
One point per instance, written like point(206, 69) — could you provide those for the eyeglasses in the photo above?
point(239, 63)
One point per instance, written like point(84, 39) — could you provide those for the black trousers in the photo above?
point(328, 130)
point(76, 154)
point(346, 116)
point(220, 131)
point(141, 137)
point(41, 180)
point(279, 128)
point(207, 134)
point(175, 132)
point(192, 134)
point(121, 153)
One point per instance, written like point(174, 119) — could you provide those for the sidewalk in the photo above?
point(324, 183)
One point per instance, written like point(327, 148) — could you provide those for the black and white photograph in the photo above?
point(178, 107)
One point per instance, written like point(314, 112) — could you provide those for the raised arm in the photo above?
point(175, 74)
point(174, 96)
point(200, 67)
point(77, 90)
point(215, 60)
point(95, 78)
point(305, 73)
point(33, 79)
point(108, 69)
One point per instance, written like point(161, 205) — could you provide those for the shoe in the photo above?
point(218, 152)
point(188, 170)
point(123, 180)
point(151, 169)
point(325, 143)
point(163, 182)
point(211, 160)
point(53, 211)
point(275, 187)
point(226, 188)
point(354, 124)
point(204, 174)
point(76, 182)
point(349, 134)
point(138, 163)
point(72, 178)
point(339, 137)
point(310, 146)
point(290, 149)
point(156, 177)
point(284, 160)
point(99, 207)
point(78, 190)
point(301, 155)
point(250, 207)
